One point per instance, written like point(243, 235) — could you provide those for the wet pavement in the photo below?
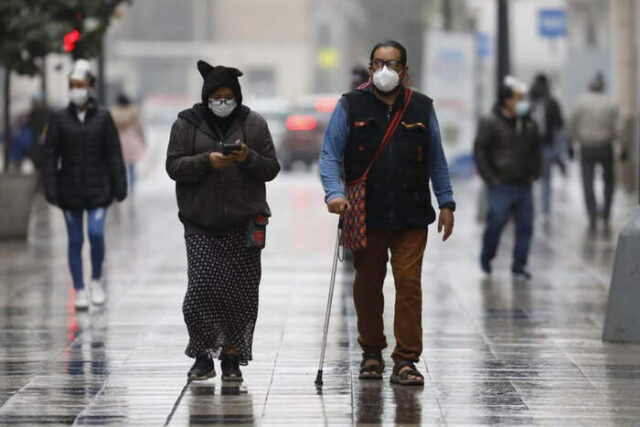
point(495, 351)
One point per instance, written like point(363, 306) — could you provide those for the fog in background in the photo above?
point(292, 49)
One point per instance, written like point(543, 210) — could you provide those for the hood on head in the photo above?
point(217, 76)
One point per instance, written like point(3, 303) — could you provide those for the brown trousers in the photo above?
point(407, 250)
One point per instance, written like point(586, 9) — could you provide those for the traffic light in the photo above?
point(70, 40)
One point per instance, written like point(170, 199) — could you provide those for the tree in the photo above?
point(90, 18)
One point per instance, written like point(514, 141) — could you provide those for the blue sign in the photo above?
point(552, 23)
point(484, 45)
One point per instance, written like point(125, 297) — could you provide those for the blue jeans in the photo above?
point(132, 176)
point(551, 154)
point(95, 229)
point(504, 201)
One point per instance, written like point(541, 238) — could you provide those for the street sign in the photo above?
point(552, 23)
point(449, 77)
point(484, 45)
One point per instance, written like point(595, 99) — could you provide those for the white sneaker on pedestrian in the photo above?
point(522, 276)
point(82, 301)
point(98, 296)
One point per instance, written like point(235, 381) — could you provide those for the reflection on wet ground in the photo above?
point(495, 351)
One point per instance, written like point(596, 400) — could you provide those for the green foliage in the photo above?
point(26, 28)
point(31, 29)
point(91, 18)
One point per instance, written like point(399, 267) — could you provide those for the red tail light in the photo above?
point(301, 123)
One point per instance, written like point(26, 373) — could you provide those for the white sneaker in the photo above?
point(98, 296)
point(522, 277)
point(82, 301)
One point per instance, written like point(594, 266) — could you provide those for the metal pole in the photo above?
point(327, 314)
point(636, 117)
point(447, 14)
point(101, 75)
point(503, 58)
point(636, 78)
point(43, 80)
point(7, 116)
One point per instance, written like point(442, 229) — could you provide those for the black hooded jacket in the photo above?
point(553, 121)
point(82, 165)
point(214, 201)
point(507, 150)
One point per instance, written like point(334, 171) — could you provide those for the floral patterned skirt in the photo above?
point(221, 304)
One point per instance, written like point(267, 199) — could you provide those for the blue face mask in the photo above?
point(523, 108)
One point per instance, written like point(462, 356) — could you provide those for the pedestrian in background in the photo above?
point(22, 142)
point(546, 112)
point(221, 154)
point(359, 76)
point(594, 127)
point(398, 202)
point(83, 172)
point(126, 117)
point(509, 159)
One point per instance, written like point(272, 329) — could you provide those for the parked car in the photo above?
point(274, 110)
point(305, 126)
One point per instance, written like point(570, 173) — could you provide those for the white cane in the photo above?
point(328, 312)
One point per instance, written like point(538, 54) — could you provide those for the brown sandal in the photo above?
point(403, 378)
point(371, 372)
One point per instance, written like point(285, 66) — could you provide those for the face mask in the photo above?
point(385, 79)
point(523, 108)
point(79, 96)
point(222, 107)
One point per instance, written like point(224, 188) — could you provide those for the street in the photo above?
point(494, 351)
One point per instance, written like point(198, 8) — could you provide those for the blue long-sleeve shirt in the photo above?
point(335, 141)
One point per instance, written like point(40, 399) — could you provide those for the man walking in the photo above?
point(594, 126)
point(547, 114)
point(508, 157)
point(398, 202)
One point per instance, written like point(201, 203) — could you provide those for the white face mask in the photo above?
point(222, 107)
point(79, 96)
point(385, 79)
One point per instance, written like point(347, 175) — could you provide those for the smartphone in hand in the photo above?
point(229, 147)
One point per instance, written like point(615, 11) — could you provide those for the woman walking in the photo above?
point(127, 120)
point(83, 171)
point(221, 154)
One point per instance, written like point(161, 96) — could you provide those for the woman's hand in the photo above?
point(219, 160)
point(240, 155)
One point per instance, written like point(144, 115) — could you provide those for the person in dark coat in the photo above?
point(509, 159)
point(221, 154)
point(83, 171)
point(546, 112)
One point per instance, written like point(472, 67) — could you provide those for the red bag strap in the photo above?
point(393, 125)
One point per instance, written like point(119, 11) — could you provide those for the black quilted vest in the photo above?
point(398, 194)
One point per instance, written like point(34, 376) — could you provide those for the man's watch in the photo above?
point(449, 205)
